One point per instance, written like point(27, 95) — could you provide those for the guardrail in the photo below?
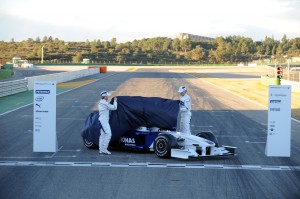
point(62, 77)
point(17, 86)
point(13, 87)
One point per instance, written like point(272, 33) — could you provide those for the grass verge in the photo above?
point(250, 89)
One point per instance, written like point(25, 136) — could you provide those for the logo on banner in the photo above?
point(42, 91)
point(275, 101)
point(39, 98)
point(275, 109)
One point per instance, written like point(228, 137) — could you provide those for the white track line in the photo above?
point(149, 165)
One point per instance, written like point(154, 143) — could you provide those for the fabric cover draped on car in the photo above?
point(133, 112)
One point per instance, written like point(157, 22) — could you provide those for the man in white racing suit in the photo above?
point(184, 114)
point(105, 131)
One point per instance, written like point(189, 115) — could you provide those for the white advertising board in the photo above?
point(44, 117)
point(279, 121)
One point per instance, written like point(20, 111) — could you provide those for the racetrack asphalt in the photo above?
point(77, 172)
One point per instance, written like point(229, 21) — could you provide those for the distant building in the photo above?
point(85, 61)
point(182, 36)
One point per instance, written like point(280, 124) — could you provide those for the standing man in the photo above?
point(184, 111)
point(105, 131)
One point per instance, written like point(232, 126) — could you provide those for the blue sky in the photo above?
point(78, 20)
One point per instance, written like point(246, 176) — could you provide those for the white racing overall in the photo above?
point(105, 131)
point(185, 114)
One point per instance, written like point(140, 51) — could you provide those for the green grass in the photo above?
point(132, 64)
point(5, 73)
point(18, 100)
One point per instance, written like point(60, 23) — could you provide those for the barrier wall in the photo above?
point(295, 85)
point(62, 77)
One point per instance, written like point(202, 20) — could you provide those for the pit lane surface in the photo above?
point(77, 172)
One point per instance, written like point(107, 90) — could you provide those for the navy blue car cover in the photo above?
point(133, 112)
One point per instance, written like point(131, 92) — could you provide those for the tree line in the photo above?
point(158, 50)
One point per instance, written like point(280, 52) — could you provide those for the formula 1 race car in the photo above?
point(164, 140)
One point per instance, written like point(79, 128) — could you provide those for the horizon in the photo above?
point(91, 40)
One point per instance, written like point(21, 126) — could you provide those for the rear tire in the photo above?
point(163, 144)
point(89, 144)
point(209, 136)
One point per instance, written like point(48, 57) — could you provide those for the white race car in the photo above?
point(138, 122)
point(175, 144)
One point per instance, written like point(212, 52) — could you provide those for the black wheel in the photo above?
point(163, 144)
point(89, 144)
point(209, 136)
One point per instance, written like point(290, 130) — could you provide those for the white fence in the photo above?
point(62, 77)
point(17, 86)
point(13, 87)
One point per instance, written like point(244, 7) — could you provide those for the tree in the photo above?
point(120, 58)
point(87, 42)
point(62, 47)
point(113, 42)
point(94, 47)
point(175, 44)
point(50, 39)
point(38, 40)
point(166, 44)
point(45, 38)
point(125, 51)
point(197, 54)
point(77, 58)
point(185, 44)
point(29, 40)
point(220, 53)
point(56, 40)
point(285, 44)
point(279, 51)
point(106, 45)
point(295, 47)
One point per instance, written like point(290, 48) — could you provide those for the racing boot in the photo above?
point(106, 152)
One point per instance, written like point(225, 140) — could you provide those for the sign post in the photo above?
point(44, 114)
point(279, 121)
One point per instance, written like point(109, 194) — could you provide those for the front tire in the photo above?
point(163, 144)
point(209, 136)
point(89, 144)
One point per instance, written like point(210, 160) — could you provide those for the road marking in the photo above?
point(48, 156)
point(26, 116)
point(201, 126)
point(74, 84)
point(77, 150)
point(68, 118)
point(29, 131)
point(79, 106)
point(150, 165)
point(132, 70)
point(240, 136)
point(254, 142)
